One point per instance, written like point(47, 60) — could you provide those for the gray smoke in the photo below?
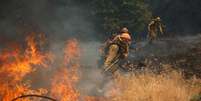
point(61, 20)
point(164, 47)
point(58, 19)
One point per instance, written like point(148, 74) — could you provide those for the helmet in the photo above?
point(124, 30)
point(125, 37)
point(158, 19)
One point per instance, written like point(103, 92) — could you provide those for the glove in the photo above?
point(125, 55)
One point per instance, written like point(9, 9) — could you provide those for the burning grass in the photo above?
point(17, 63)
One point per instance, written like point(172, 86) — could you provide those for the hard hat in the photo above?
point(125, 36)
point(124, 30)
point(158, 18)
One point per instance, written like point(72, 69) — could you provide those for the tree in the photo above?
point(113, 14)
point(180, 16)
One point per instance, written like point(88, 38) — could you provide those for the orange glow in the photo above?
point(15, 64)
point(63, 87)
point(93, 98)
point(64, 81)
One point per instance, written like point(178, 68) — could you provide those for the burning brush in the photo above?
point(17, 63)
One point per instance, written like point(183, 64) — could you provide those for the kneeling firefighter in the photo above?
point(117, 50)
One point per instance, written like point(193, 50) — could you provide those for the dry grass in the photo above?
point(151, 87)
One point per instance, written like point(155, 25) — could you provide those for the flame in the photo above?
point(64, 81)
point(63, 87)
point(16, 62)
point(94, 98)
point(15, 65)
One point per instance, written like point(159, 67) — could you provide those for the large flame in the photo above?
point(15, 65)
point(64, 81)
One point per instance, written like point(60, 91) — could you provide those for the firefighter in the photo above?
point(154, 27)
point(117, 49)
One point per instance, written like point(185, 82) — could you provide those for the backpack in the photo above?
point(123, 46)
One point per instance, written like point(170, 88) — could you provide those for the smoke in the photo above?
point(61, 20)
point(58, 19)
point(164, 47)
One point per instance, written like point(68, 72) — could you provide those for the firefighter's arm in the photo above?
point(149, 27)
point(161, 28)
point(150, 24)
point(125, 55)
point(111, 55)
point(126, 52)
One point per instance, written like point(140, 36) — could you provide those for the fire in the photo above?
point(63, 87)
point(72, 58)
point(64, 81)
point(71, 52)
point(15, 64)
point(94, 98)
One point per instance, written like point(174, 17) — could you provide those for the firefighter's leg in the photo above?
point(150, 36)
point(108, 76)
point(113, 71)
point(112, 54)
point(153, 36)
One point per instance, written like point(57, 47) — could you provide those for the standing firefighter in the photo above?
point(153, 27)
point(117, 49)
